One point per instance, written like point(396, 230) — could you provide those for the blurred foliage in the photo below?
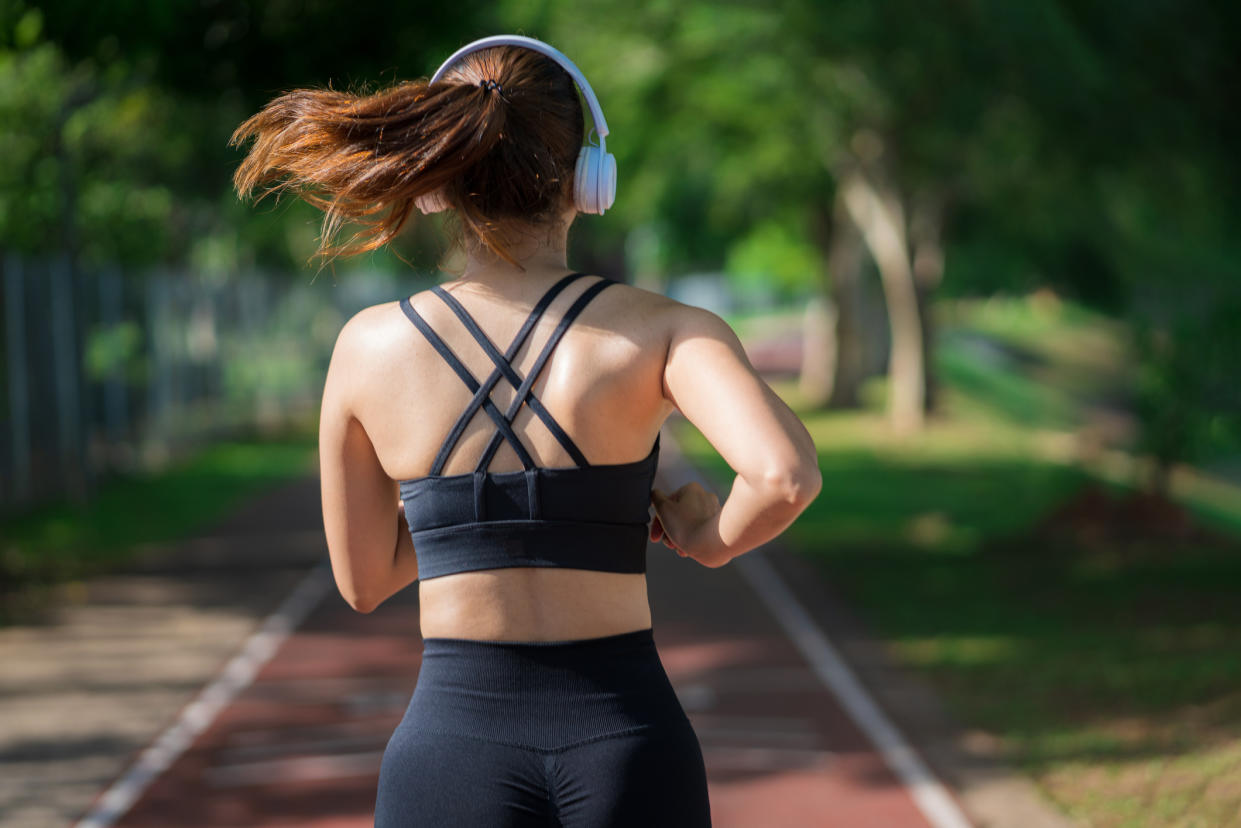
point(1062, 135)
point(774, 254)
point(1187, 392)
point(88, 166)
point(113, 350)
point(124, 110)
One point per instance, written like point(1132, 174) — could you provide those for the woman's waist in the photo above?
point(533, 604)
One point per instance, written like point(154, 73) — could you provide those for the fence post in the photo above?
point(157, 397)
point(112, 309)
point(68, 389)
point(19, 388)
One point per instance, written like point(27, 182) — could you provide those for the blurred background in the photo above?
point(987, 251)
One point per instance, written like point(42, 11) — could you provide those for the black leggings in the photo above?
point(581, 733)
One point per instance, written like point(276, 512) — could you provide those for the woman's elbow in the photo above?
point(357, 595)
point(796, 485)
point(364, 604)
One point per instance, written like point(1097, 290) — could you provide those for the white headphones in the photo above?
point(594, 179)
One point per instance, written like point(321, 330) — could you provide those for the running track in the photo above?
point(292, 732)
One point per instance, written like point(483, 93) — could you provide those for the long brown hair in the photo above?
point(503, 158)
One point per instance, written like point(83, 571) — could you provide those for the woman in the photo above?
point(514, 487)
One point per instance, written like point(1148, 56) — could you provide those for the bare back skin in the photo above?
point(603, 383)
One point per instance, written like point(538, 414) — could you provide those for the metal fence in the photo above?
point(105, 370)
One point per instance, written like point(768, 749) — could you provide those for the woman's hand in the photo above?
point(680, 516)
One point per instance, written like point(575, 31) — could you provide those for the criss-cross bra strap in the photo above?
point(502, 424)
point(524, 389)
point(504, 365)
point(484, 390)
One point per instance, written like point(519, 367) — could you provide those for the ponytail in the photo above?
point(499, 158)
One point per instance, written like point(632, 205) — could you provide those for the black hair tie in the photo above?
point(492, 85)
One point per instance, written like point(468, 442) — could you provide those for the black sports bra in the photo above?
point(580, 517)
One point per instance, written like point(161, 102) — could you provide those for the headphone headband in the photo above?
point(596, 112)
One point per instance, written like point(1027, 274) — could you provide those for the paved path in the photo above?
point(82, 691)
point(301, 743)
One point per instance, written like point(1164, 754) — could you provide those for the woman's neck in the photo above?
point(490, 268)
point(543, 253)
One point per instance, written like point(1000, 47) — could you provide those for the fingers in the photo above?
point(700, 492)
point(680, 493)
point(691, 488)
point(694, 491)
point(660, 496)
point(686, 506)
point(659, 535)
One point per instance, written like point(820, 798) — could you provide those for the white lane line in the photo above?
point(928, 793)
point(931, 797)
point(256, 651)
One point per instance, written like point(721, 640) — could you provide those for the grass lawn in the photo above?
point(64, 541)
point(1112, 675)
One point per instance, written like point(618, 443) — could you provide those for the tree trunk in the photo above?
point(832, 367)
point(926, 234)
point(845, 264)
point(818, 351)
point(879, 216)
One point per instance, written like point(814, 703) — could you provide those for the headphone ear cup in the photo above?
point(432, 202)
point(594, 180)
point(607, 182)
point(583, 186)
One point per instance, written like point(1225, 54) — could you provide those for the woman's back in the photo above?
point(603, 383)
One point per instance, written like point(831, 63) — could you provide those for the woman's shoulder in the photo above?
point(656, 307)
point(370, 325)
point(374, 334)
point(649, 319)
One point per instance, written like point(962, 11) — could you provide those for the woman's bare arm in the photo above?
point(708, 377)
point(368, 542)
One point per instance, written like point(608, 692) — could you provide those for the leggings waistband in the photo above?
point(542, 694)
